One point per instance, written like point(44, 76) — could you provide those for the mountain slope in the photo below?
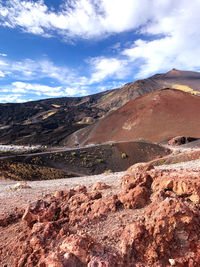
point(187, 81)
point(51, 121)
point(154, 117)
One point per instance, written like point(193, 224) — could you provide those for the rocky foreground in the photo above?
point(153, 221)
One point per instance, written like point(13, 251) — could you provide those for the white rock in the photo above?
point(172, 262)
point(20, 185)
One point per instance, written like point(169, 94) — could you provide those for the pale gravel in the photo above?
point(10, 199)
point(190, 165)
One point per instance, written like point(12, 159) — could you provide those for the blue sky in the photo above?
point(56, 48)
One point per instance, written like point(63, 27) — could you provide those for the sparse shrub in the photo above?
point(162, 161)
point(73, 153)
point(123, 155)
point(99, 160)
point(107, 171)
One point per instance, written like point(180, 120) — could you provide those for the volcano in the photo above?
point(154, 117)
point(56, 121)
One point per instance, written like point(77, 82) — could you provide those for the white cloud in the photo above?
point(71, 91)
point(103, 68)
point(76, 91)
point(31, 69)
point(3, 55)
point(179, 46)
point(21, 90)
point(82, 18)
point(170, 31)
point(22, 87)
point(2, 74)
point(11, 98)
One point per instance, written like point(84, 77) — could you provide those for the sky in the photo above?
point(67, 48)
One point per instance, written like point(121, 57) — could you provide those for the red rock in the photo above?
point(105, 260)
point(136, 198)
point(165, 231)
point(32, 210)
point(100, 186)
point(179, 182)
point(78, 199)
point(130, 241)
point(40, 211)
point(59, 194)
point(7, 219)
point(64, 194)
point(137, 175)
point(180, 140)
point(56, 259)
point(103, 206)
point(81, 246)
point(81, 189)
point(95, 195)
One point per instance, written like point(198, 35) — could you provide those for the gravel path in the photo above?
point(192, 165)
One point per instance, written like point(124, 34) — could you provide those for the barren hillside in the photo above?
point(154, 117)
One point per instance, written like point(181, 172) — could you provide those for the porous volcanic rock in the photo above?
point(135, 198)
point(181, 140)
point(100, 186)
point(137, 175)
point(153, 222)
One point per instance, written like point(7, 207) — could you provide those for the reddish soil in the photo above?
point(154, 117)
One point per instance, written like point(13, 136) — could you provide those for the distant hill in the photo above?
point(52, 121)
point(154, 117)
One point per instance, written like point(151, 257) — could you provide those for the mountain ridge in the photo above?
point(51, 121)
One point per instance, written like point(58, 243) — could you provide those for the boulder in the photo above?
point(138, 174)
point(136, 198)
point(41, 211)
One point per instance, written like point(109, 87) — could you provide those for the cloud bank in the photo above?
point(169, 37)
point(77, 18)
point(174, 26)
